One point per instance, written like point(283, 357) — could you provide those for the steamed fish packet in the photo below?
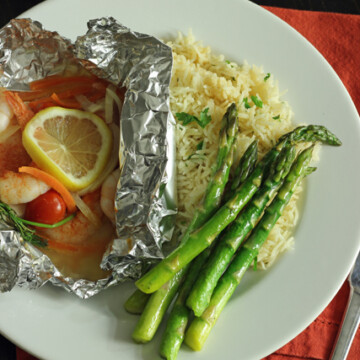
point(87, 194)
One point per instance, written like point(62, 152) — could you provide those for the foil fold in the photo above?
point(146, 193)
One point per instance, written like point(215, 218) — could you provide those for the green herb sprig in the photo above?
point(186, 118)
point(8, 216)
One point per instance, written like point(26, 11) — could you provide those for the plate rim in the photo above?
point(350, 103)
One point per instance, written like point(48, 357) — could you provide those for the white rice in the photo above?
point(202, 80)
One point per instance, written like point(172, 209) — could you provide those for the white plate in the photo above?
point(269, 308)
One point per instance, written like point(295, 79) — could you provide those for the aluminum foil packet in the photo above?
point(146, 194)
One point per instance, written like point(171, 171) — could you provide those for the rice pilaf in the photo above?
point(203, 80)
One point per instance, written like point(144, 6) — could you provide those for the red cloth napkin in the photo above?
point(316, 341)
point(337, 37)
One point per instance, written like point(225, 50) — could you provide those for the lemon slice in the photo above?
point(72, 145)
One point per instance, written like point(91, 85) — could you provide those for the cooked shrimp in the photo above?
point(108, 190)
point(80, 230)
point(20, 188)
point(76, 248)
point(5, 113)
point(12, 152)
point(22, 112)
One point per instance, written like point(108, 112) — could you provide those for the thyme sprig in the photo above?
point(8, 215)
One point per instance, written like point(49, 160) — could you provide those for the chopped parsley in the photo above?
point(277, 117)
point(229, 63)
point(257, 101)
point(204, 118)
point(246, 104)
point(267, 76)
point(200, 145)
point(186, 118)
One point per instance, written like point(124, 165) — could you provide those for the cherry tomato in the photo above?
point(48, 208)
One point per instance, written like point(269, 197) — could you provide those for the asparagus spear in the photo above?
point(174, 333)
point(235, 234)
point(155, 309)
point(221, 170)
point(180, 314)
point(136, 303)
point(312, 133)
point(204, 236)
point(201, 326)
point(244, 169)
point(160, 300)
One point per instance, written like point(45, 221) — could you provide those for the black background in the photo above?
point(12, 8)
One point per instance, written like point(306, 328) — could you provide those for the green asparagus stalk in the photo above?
point(244, 169)
point(200, 239)
point(136, 303)
point(180, 314)
point(312, 133)
point(174, 333)
point(155, 310)
point(201, 326)
point(221, 171)
point(200, 294)
point(152, 315)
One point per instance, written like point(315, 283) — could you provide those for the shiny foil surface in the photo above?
point(145, 200)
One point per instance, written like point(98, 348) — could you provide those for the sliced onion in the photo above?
point(111, 98)
point(85, 210)
point(90, 106)
point(111, 164)
point(9, 131)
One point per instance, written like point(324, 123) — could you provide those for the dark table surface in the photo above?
point(12, 8)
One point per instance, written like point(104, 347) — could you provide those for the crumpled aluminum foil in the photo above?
point(146, 193)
